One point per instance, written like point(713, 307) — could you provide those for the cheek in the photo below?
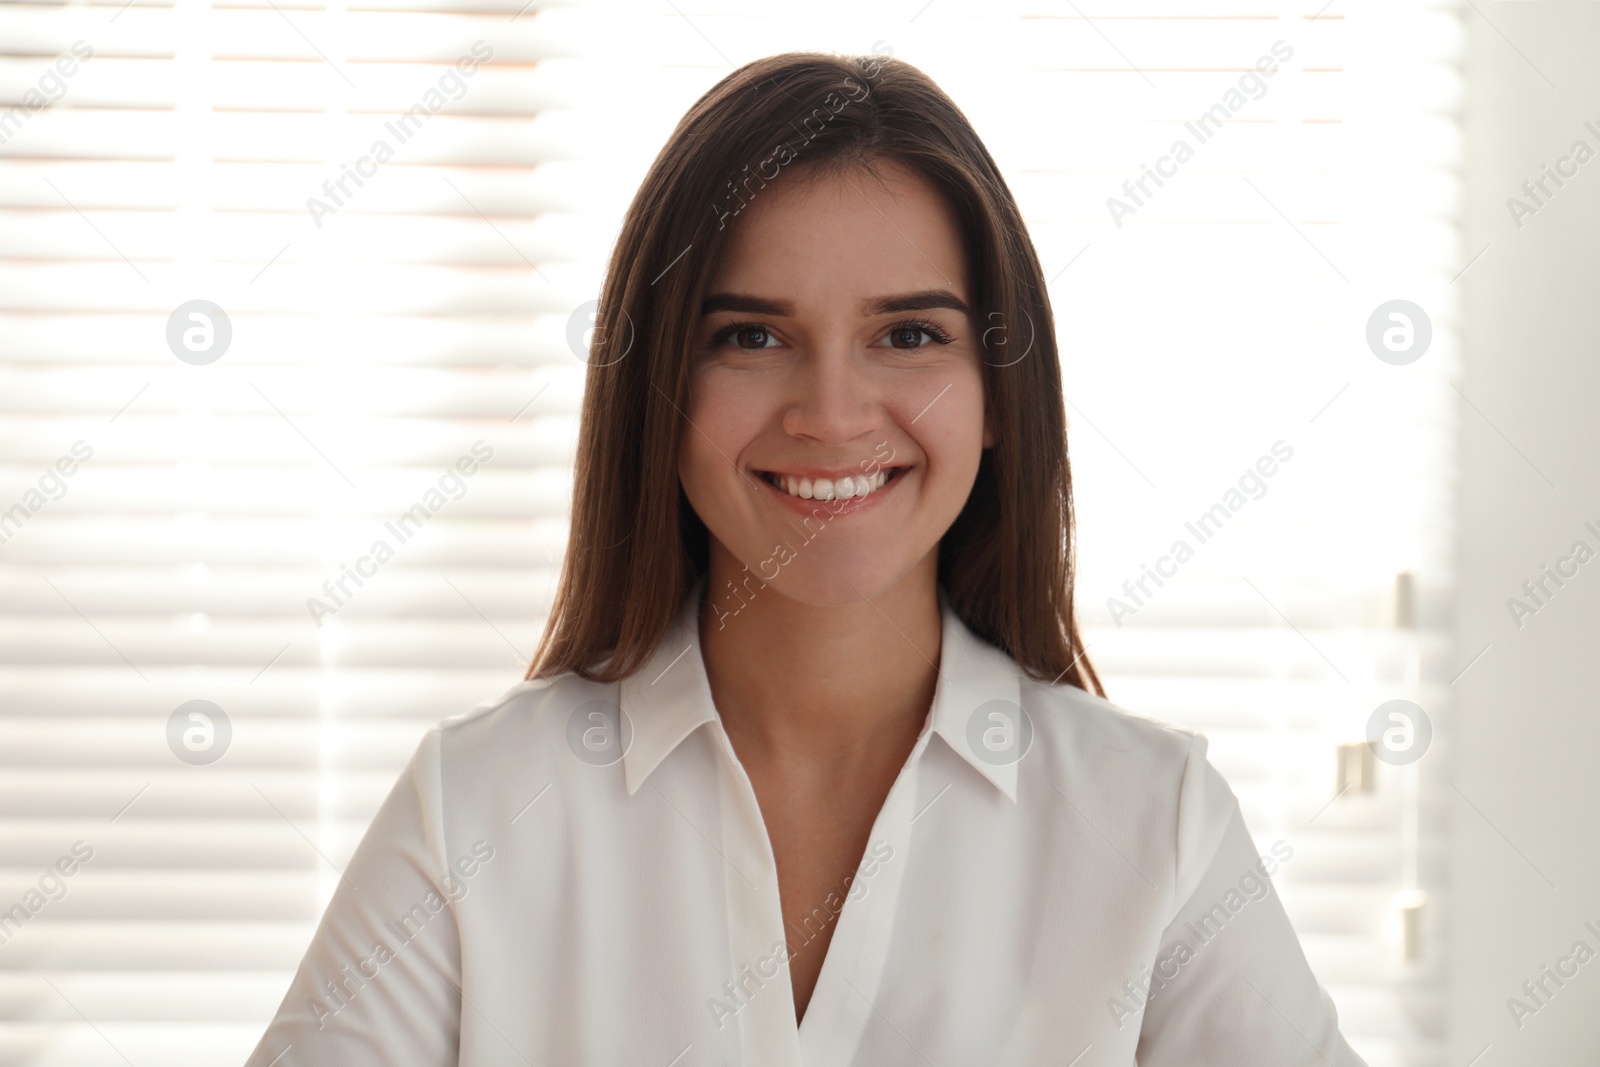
point(695, 469)
point(723, 415)
point(950, 431)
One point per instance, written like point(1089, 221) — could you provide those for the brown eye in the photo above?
point(746, 333)
point(740, 332)
point(912, 332)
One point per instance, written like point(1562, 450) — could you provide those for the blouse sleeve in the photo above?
point(1230, 985)
point(379, 984)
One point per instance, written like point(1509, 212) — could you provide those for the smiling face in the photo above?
point(836, 410)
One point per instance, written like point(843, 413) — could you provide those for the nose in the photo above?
point(835, 401)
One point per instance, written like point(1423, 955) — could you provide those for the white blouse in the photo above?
point(578, 873)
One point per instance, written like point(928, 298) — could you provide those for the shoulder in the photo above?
point(1089, 735)
point(522, 731)
point(1148, 778)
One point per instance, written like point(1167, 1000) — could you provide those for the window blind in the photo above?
point(392, 318)
point(382, 358)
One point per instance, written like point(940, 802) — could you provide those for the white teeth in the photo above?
point(837, 489)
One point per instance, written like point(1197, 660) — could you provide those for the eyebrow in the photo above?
point(925, 300)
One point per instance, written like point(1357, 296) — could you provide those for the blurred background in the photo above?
point(283, 281)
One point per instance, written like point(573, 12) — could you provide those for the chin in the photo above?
point(826, 581)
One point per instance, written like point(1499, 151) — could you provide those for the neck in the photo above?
point(824, 687)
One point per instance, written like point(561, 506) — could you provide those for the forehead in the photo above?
point(825, 239)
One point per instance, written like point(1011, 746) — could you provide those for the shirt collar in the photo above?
point(669, 697)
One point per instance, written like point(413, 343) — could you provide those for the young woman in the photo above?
point(810, 767)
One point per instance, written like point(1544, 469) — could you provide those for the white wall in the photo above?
point(1528, 746)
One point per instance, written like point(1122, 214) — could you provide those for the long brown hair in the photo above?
point(636, 547)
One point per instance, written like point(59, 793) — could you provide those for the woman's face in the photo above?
point(836, 344)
